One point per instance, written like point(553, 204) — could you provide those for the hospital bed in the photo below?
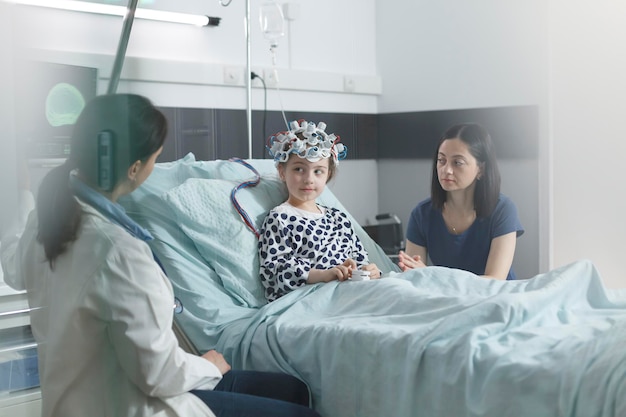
point(428, 342)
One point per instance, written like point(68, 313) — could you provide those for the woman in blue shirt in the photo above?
point(466, 223)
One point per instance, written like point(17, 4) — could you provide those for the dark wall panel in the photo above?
point(196, 133)
point(366, 136)
point(169, 147)
point(189, 130)
point(221, 133)
point(515, 131)
point(231, 131)
point(265, 124)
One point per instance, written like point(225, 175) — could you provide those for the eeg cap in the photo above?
point(315, 145)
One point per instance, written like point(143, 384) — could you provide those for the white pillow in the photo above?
point(206, 214)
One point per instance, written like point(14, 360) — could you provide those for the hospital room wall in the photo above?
point(587, 88)
point(508, 56)
point(185, 67)
point(8, 163)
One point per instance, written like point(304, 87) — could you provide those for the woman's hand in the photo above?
point(373, 270)
point(218, 360)
point(406, 262)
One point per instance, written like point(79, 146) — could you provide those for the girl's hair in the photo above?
point(332, 169)
point(138, 129)
point(481, 147)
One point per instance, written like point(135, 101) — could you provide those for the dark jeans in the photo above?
point(258, 394)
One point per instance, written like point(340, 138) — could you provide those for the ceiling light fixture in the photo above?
point(108, 9)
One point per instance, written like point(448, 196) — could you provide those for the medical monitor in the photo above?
point(50, 98)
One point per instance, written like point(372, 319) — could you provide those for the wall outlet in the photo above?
point(349, 84)
point(270, 75)
point(232, 75)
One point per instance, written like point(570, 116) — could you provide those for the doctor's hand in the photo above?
point(218, 360)
point(405, 262)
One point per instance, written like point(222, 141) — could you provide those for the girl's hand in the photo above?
point(218, 360)
point(342, 272)
point(373, 270)
point(405, 262)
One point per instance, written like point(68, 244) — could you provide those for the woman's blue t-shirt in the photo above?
point(468, 250)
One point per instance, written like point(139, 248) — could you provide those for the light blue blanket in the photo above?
point(429, 342)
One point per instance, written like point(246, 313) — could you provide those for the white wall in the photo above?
point(588, 86)
point(8, 166)
point(193, 59)
point(356, 185)
point(455, 54)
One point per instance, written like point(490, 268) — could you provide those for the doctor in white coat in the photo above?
point(102, 307)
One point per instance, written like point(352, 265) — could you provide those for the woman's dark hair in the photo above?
point(481, 147)
point(138, 129)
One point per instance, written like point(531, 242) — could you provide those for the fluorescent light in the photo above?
point(198, 20)
point(109, 9)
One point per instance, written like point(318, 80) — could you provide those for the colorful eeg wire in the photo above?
point(251, 183)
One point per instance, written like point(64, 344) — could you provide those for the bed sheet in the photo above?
point(441, 342)
point(428, 342)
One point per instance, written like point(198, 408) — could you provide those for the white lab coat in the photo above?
point(104, 327)
point(10, 237)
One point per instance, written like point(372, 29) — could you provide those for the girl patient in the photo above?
point(302, 242)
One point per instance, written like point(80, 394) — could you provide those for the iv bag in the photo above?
point(272, 22)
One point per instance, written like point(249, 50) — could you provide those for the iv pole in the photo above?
point(129, 17)
point(248, 79)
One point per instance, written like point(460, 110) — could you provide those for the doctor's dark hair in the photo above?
point(481, 147)
point(139, 130)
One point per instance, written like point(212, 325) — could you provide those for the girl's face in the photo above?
point(457, 168)
point(305, 180)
